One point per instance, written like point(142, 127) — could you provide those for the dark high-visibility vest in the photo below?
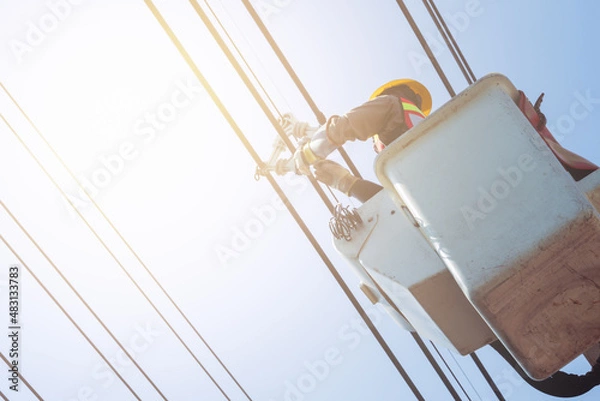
point(412, 116)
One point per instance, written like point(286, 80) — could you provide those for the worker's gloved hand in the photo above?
point(318, 148)
point(332, 174)
point(292, 127)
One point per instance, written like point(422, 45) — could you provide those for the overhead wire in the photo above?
point(308, 234)
point(292, 73)
point(133, 252)
point(465, 375)
point(276, 125)
point(21, 377)
point(301, 87)
point(127, 274)
point(320, 116)
point(452, 93)
point(442, 27)
point(426, 47)
point(454, 43)
point(104, 358)
point(241, 56)
point(487, 376)
point(451, 371)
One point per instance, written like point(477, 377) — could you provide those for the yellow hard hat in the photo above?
point(416, 87)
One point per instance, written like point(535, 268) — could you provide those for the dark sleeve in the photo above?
point(378, 116)
point(364, 190)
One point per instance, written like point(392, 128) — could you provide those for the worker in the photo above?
point(393, 109)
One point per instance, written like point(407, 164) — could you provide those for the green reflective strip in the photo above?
point(411, 107)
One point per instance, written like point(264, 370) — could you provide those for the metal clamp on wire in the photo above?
point(343, 222)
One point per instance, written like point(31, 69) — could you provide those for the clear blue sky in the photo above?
point(92, 74)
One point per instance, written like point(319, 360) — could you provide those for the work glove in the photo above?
point(292, 127)
point(317, 148)
point(332, 174)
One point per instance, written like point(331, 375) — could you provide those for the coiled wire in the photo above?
point(343, 222)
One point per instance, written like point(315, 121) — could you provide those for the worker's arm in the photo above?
point(382, 115)
point(332, 174)
point(364, 190)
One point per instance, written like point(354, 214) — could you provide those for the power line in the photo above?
point(448, 86)
point(283, 197)
point(292, 73)
point(487, 376)
point(320, 115)
point(128, 245)
point(426, 47)
point(464, 374)
point(257, 97)
point(451, 371)
point(243, 59)
point(436, 17)
point(454, 43)
point(95, 233)
point(417, 338)
point(61, 307)
point(280, 54)
point(21, 377)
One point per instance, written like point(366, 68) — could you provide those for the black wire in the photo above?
point(127, 244)
point(417, 338)
point(95, 233)
point(236, 65)
point(284, 199)
point(29, 386)
point(426, 47)
point(451, 371)
point(64, 278)
point(61, 307)
point(292, 73)
point(237, 50)
point(487, 376)
point(436, 17)
point(456, 46)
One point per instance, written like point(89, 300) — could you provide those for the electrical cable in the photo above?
point(441, 28)
point(60, 306)
point(243, 59)
point(128, 245)
point(292, 73)
point(202, 15)
point(417, 338)
point(256, 97)
point(464, 374)
point(21, 377)
point(451, 371)
point(95, 233)
point(487, 376)
point(310, 237)
point(423, 42)
point(450, 90)
point(456, 46)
